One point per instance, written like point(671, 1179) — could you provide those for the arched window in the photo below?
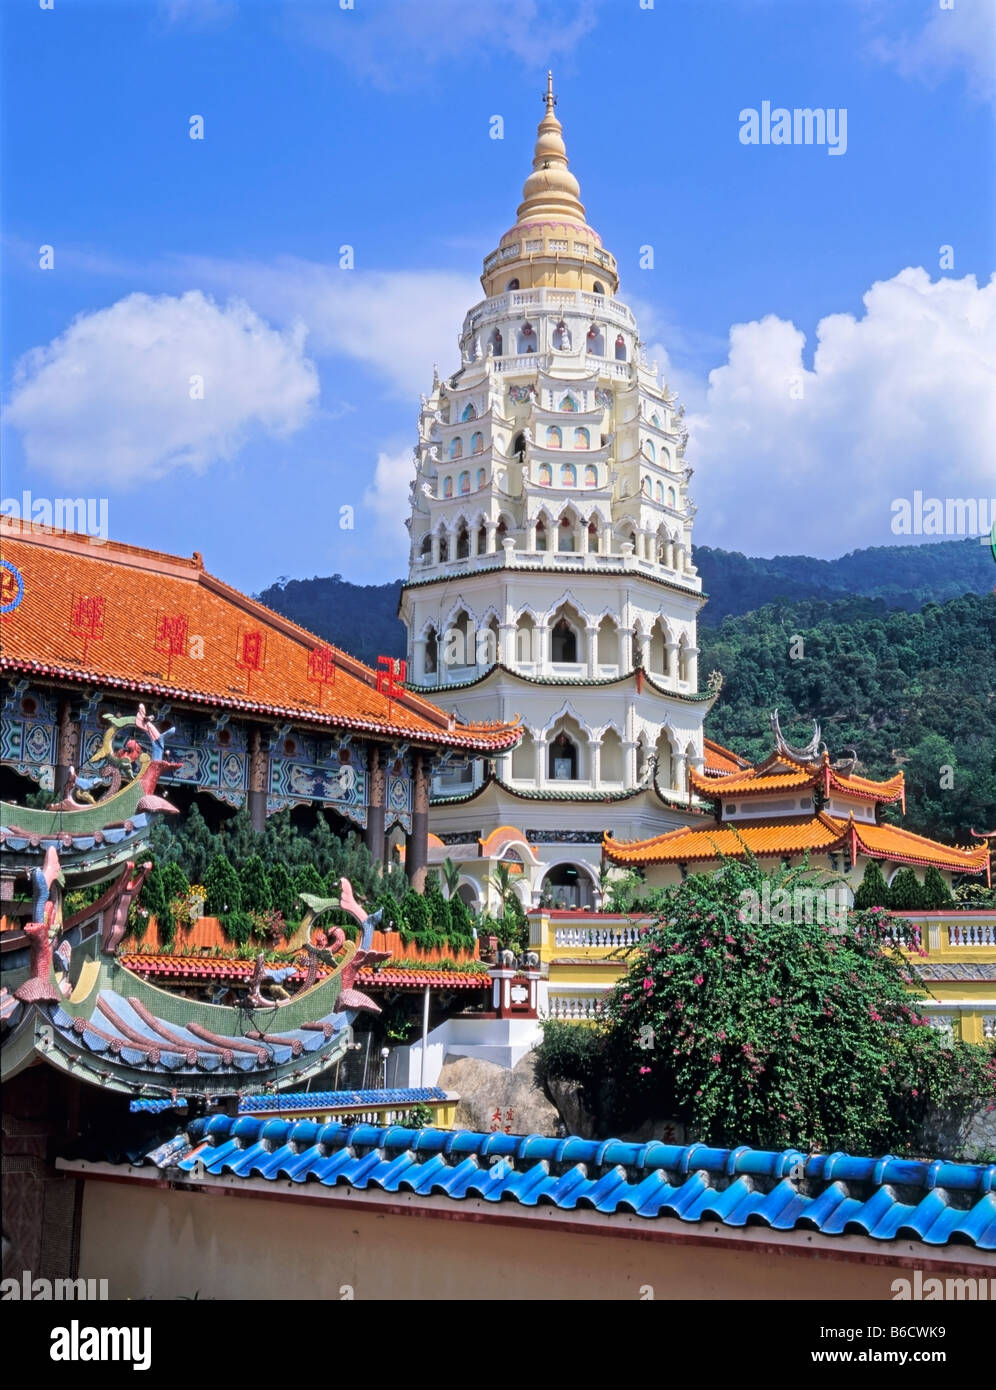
point(649, 451)
point(620, 348)
point(496, 343)
point(565, 534)
point(519, 444)
point(541, 534)
point(563, 759)
point(469, 411)
point(590, 475)
point(645, 487)
point(463, 482)
point(456, 447)
point(672, 497)
point(568, 475)
point(477, 442)
point(501, 531)
point(463, 542)
point(444, 545)
point(665, 459)
point(482, 539)
point(659, 490)
point(527, 338)
point(458, 646)
point(431, 652)
point(480, 477)
point(554, 437)
point(563, 643)
point(525, 639)
point(608, 643)
point(655, 419)
point(598, 287)
point(448, 485)
point(545, 475)
point(582, 439)
point(611, 757)
point(425, 549)
point(595, 341)
point(513, 284)
point(562, 337)
point(569, 403)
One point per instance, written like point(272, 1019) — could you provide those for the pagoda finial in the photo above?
point(551, 192)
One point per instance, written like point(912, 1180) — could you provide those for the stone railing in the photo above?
point(567, 937)
point(972, 934)
point(575, 1008)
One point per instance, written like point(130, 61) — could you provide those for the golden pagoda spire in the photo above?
point(551, 192)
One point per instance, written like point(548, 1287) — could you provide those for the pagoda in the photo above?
point(550, 572)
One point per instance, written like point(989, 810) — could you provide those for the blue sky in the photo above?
point(219, 257)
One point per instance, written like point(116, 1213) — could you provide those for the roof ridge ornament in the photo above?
point(807, 754)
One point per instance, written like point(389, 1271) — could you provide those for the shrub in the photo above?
point(415, 913)
point(779, 1034)
point(872, 891)
point(221, 882)
point(906, 892)
point(936, 893)
point(237, 926)
point(569, 1052)
point(282, 895)
point(257, 894)
point(307, 879)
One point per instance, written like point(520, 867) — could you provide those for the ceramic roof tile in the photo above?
point(140, 587)
point(934, 1203)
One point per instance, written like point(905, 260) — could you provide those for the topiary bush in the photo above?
point(906, 892)
point(282, 894)
point(936, 893)
point(257, 894)
point(221, 883)
point(872, 891)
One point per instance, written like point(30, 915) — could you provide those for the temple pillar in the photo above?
point(539, 761)
point(671, 660)
point(259, 776)
point(506, 644)
point(417, 843)
point(591, 646)
point(67, 747)
point(377, 781)
point(491, 528)
point(435, 547)
point(693, 667)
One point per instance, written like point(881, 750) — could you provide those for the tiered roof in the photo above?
point(44, 636)
point(781, 773)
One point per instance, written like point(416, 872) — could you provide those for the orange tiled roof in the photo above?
point(790, 835)
point(719, 760)
point(140, 587)
point(780, 773)
point(795, 835)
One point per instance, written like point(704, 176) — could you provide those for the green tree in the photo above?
point(282, 894)
point(778, 1034)
point(175, 884)
point(906, 892)
point(451, 877)
point(257, 892)
point(224, 893)
point(197, 845)
point(415, 914)
point(153, 898)
point(307, 879)
point(872, 891)
point(936, 893)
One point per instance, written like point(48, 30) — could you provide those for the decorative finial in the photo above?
point(549, 98)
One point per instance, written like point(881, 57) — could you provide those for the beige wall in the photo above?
point(167, 1244)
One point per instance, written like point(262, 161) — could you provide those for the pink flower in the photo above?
point(627, 996)
point(915, 1093)
point(728, 939)
point(644, 1071)
point(715, 1057)
point(698, 979)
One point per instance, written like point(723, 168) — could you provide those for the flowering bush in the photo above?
point(780, 1033)
point(268, 925)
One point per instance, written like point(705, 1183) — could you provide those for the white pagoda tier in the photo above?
point(551, 572)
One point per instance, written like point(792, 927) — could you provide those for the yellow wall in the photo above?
point(167, 1244)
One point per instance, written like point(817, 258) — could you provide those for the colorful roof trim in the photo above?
point(138, 588)
point(886, 1199)
point(339, 1100)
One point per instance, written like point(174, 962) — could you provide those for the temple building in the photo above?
point(796, 804)
point(263, 714)
point(551, 575)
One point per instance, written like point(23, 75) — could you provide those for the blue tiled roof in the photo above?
point(330, 1100)
point(938, 1203)
point(155, 1107)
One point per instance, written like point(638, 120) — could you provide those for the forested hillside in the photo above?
point(909, 690)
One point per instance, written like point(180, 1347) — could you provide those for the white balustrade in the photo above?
point(972, 934)
point(575, 1007)
point(596, 936)
point(989, 1027)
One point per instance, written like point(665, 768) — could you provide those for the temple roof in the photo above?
point(44, 635)
point(887, 1199)
point(820, 833)
point(781, 773)
point(720, 760)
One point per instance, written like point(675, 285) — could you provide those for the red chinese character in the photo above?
point(87, 618)
point(391, 677)
point(251, 654)
point(171, 637)
point(321, 668)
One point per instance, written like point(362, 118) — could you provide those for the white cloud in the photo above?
point(395, 42)
point(112, 399)
point(387, 497)
point(194, 14)
point(398, 322)
point(902, 398)
point(959, 38)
